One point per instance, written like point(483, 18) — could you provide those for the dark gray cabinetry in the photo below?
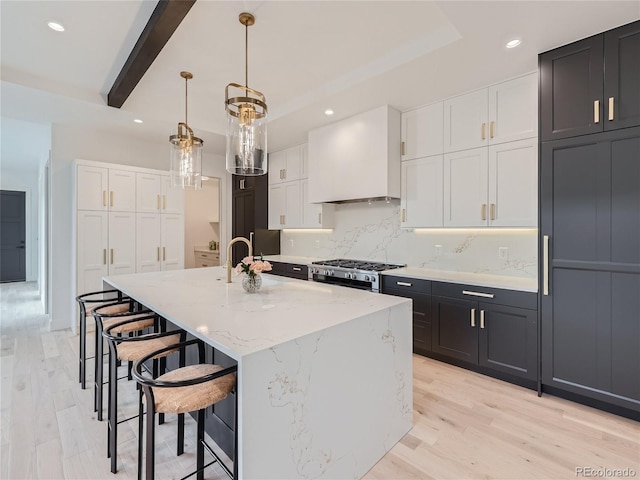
point(592, 85)
point(494, 329)
point(249, 207)
point(419, 291)
point(590, 227)
point(291, 270)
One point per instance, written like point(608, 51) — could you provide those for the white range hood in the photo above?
point(356, 159)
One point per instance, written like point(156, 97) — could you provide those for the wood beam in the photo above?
point(163, 22)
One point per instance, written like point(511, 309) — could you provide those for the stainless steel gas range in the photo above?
point(362, 274)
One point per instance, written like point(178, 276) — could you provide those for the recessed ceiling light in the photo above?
point(56, 26)
point(328, 112)
point(513, 43)
point(137, 120)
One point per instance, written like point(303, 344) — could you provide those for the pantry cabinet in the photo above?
point(154, 194)
point(105, 189)
point(160, 242)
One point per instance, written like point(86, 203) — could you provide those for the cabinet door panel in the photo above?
point(453, 334)
point(570, 81)
point(625, 335)
point(622, 76)
point(625, 201)
point(122, 243)
point(92, 238)
point(293, 206)
point(122, 191)
point(422, 193)
point(148, 247)
point(172, 240)
point(276, 206)
point(92, 188)
point(292, 163)
point(172, 198)
point(508, 341)
point(311, 212)
point(422, 131)
point(465, 188)
point(148, 193)
point(513, 184)
point(513, 110)
point(464, 117)
point(277, 166)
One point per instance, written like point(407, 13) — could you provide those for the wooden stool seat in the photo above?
point(194, 397)
point(132, 351)
point(110, 309)
point(127, 327)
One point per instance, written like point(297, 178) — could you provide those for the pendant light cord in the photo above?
point(246, 59)
point(185, 101)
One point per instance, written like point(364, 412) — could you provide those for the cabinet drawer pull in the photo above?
point(404, 284)
point(164, 202)
point(484, 134)
point(111, 256)
point(403, 215)
point(111, 198)
point(104, 255)
point(402, 149)
point(473, 317)
point(204, 265)
point(320, 218)
point(104, 198)
point(610, 108)
point(158, 256)
point(296, 269)
point(483, 212)
point(284, 173)
point(491, 128)
point(164, 254)
point(545, 265)
point(157, 202)
point(482, 319)
point(596, 111)
point(477, 294)
point(492, 211)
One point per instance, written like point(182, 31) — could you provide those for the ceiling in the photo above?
point(305, 56)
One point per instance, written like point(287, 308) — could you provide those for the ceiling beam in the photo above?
point(163, 22)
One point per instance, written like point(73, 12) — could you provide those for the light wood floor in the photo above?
point(466, 426)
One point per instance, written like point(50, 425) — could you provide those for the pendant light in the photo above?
point(186, 151)
point(246, 121)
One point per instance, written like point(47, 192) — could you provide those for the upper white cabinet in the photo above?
point(285, 165)
point(422, 193)
point(356, 158)
point(422, 132)
point(501, 113)
point(107, 189)
point(155, 195)
point(314, 215)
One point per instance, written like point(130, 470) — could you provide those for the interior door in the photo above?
point(12, 235)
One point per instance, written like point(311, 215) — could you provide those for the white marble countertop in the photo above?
point(237, 323)
point(469, 278)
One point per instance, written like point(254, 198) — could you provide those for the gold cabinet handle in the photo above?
point(596, 111)
point(320, 218)
point(492, 211)
point(477, 294)
point(610, 108)
point(482, 319)
point(545, 265)
point(157, 202)
point(403, 149)
point(284, 173)
point(484, 133)
point(164, 202)
point(281, 174)
point(158, 257)
point(111, 198)
point(242, 184)
point(104, 256)
point(104, 198)
point(164, 254)
point(111, 256)
point(403, 215)
point(483, 212)
point(473, 317)
point(284, 219)
point(491, 128)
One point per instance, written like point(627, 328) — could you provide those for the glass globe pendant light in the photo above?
point(186, 151)
point(246, 121)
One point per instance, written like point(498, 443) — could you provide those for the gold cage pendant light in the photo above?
point(246, 121)
point(186, 151)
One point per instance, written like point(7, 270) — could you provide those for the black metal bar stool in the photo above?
point(131, 349)
point(89, 302)
point(192, 388)
point(104, 317)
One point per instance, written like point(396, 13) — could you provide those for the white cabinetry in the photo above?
point(160, 242)
point(289, 206)
point(92, 243)
point(422, 132)
point(422, 192)
point(465, 188)
point(122, 243)
point(155, 195)
point(106, 189)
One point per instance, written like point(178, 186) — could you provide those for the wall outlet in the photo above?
point(438, 250)
point(503, 253)
point(291, 242)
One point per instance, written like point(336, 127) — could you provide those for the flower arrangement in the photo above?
point(252, 267)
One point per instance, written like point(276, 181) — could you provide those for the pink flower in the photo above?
point(239, 269)
point(266, 266)
point(247, 260)
point(256, 267)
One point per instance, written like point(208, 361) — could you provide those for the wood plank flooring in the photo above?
point(466, 426)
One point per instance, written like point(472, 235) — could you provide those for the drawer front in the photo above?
point(393, 285)
point(499, 296)
point(207, 256)
point(207, 263)
point(296, 271)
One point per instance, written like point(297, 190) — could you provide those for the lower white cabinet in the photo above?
point(159, 242)
point(105, 246)
point(492, 186)
point(421, 194)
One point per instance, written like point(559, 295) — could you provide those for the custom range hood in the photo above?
point(356, 159)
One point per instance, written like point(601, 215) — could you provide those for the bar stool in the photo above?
point(89, 302)
point(187, 389)
point(131, 349)
point(104, 317)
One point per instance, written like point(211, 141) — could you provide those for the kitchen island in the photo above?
point(324, 372)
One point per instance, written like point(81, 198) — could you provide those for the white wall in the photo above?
point(201, 218)
point(372, 232)
point(69, 144)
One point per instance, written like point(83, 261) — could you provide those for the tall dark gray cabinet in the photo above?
point(590, 220)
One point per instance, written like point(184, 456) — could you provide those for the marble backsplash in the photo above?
point(372, 232)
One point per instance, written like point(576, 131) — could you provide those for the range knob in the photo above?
point(366, 278)
point(347, 275)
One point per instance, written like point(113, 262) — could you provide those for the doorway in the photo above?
point(13, 266)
